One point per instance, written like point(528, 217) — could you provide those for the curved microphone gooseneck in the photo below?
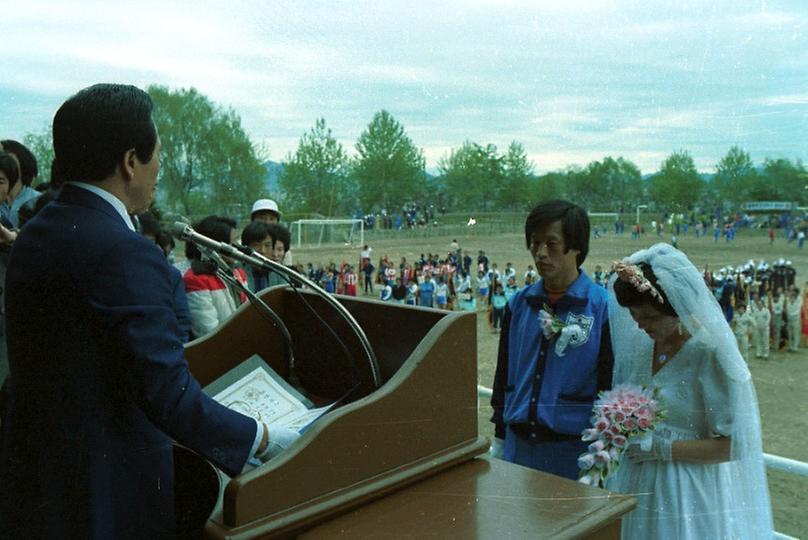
point(184, 232)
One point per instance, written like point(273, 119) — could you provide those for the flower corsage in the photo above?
point(565, 333)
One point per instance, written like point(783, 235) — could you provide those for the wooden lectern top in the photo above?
point(485, 498)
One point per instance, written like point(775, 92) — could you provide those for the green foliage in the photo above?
point(619, 183)
point(783, 180)
point(735, 178)
point(549, 186)
point(209, 164)
point(473, 176)
point(517, 174)
point(317, 177)
point(389, 169)
point(677, 185)
point(41, 145)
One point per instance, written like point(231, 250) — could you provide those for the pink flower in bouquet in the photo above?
point(586, 461)
point(602, 459)
point(645, 410)
point(590, 434)
point(618, 414)
point(596, 446)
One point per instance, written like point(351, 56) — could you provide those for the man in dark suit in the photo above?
point(99, 384)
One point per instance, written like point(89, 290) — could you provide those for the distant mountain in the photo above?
point(707, 177)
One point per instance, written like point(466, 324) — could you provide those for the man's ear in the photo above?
point(128, 164)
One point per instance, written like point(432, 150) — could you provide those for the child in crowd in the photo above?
point(426, 291)
point(511, 288)
point(329, 283)
point(482, 286)
point(498, 303)
point(793, 309)
point(441, 293)
point(742, 325)
point(599, 276)
point(762, 318)
point(386, 293)
point(351, 280)
point(256, 237)
point(412, 292)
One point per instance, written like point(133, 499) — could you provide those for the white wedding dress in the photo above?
point(706, 390)
point(680, 500)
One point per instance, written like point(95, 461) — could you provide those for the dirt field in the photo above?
point(780, 382)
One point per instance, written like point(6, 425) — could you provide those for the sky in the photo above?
point(573, 81)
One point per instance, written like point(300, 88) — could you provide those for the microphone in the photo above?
point(183, 231)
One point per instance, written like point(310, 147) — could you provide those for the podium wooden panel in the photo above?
point(422, 421)
point(481, 499)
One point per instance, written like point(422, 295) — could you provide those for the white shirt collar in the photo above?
point(116, 203)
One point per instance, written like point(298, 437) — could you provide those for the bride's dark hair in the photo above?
point(628, 295)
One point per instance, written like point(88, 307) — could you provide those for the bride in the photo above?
point(702, 475)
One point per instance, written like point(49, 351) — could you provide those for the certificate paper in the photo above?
point(263, 395)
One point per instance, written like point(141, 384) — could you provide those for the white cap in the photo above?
point(265, 205)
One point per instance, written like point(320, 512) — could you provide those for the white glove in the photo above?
point(661, 450)
point(497, 449)
point(280, 438)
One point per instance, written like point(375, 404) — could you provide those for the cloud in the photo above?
point(571, 80)
point(788, 99)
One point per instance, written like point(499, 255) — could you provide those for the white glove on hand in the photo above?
point(497, 448)
point(280, 438)
point(661, 450)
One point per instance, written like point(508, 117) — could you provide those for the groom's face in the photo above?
point(548, 246)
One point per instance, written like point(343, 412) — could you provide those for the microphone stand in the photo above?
point(257, 260)
point(225, 273)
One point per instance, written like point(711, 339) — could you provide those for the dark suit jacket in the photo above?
point(99, 383)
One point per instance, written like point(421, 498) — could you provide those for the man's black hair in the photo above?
point(9, 167)
point(149, 226)
point(254, 232)
point(574, 225)
point(279, 233)
point(216, 227)
point(28, 166)
point(628, 295)
point(165, 240)
point(94, 129)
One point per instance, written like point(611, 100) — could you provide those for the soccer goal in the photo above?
point(320, 232)
point(604, 220)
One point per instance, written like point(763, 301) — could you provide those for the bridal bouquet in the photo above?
point(623, 413)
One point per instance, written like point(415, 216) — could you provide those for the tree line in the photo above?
point(210, 165)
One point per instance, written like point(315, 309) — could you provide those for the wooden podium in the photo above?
point(410, 443)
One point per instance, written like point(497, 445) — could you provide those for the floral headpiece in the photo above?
point(632, 274)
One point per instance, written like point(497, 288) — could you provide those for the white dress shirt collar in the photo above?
point(116, 203)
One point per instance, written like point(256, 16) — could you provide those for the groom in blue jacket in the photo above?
point(546, 380)
point(99, 384)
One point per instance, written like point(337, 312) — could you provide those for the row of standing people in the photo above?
point(772, 322)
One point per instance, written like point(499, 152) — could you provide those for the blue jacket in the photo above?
point(99, 383)
point(532, 383)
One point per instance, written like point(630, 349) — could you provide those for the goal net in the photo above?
point(605, 220)
point(321, 232)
